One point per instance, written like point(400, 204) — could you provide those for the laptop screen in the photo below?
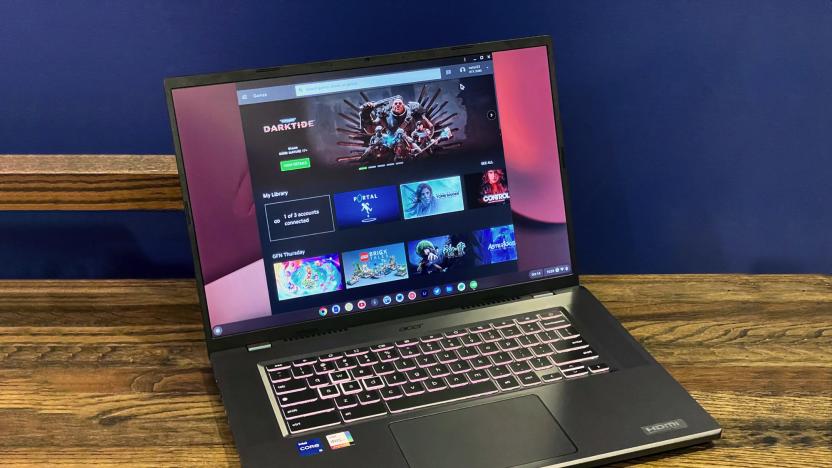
point(338, 193)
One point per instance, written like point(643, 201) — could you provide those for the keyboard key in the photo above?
point(304, 362)
point(479, 328)
point(520, 367)
point(346, 363)
point(490, 335)
point(540, 363)
point(558, 312)
point(499, 371)
point(410, 351)
point(308, 409)
point(430, 338)
point(388, 355)
point(346, 401)
point(280, 375)
point(456, 333)
point(407, 342)
point(412, 389)
point(405, 365)
point(548, 337)
point(470, 340)
point(508, 382)
point(395, 379)
point(443, 396)
point(434, 385)
point(371, 396)
point(574, 356)
point(316, 421)
point(480, 362)
point(450, 344)
point(356, 351)
point(317, 381)
point(488, 349)
point(381, 347)
point(439, 370)
point(384, 368)
point(459, 367)
point(279, 366)
point(503, 324)
point(445, 357)
point(289, 386)
point(555, 323)
point(340, 376)
point(416, 375)
point(363, 412)
point(530, 328)
point(391, 393)
point(330, 357)
point(478, 376)
point(563, 346)
point(467, 353)
point(328, 392)
point(302, 372)
point(297, 398)
point(508, 344)
point(574, 372)
point(528, 318)
point(527, 340)
point(348, 388)
point(456, 380)
point(529, 379)
point(324, 367)
point(511, 332)
point(368, 359)
point(430, 347)
point(598, 368)
point(425, 361)
point(361, 373)
point(568, 332)
point(501, 358)
point(542, 349)
point(373, 383)
point(552, 377)
point(521, 354)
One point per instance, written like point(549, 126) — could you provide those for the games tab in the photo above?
point(375, 265)
point(431, 197)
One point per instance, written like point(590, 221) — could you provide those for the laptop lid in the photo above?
point(332, 194)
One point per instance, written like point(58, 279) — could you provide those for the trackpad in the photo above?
point(505, 433)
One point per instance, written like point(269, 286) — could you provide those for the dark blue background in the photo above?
point(698, 134)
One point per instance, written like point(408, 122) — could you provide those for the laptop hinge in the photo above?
point(258, 346)
point(543, 294)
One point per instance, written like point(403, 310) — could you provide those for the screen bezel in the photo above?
point(391, 312)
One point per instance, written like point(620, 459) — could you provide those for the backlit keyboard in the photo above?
point(352, 385)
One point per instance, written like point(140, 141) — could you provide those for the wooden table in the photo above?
point(115, 372)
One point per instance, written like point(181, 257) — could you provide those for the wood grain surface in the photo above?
point(89, 182)
point(113, 372)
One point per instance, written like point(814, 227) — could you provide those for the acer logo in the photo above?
point(658, 428)
point(411, 327)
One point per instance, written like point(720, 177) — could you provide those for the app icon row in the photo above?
point(397, 298)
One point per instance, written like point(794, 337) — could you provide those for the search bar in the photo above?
point(364, 82)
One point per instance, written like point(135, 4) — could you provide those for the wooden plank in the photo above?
point(89, 182)
point(115, 372)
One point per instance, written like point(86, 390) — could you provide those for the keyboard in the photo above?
point(343, 387)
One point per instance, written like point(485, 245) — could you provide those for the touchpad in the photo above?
point(505, 433)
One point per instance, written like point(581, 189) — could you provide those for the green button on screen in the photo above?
point(295, 164)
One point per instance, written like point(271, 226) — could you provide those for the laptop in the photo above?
point(385, 263)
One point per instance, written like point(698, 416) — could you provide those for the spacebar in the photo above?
point(443, 396)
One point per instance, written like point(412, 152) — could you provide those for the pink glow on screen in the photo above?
point(524, 97)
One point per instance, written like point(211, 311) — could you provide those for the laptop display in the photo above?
point(339, 193)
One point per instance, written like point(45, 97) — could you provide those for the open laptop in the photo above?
point(385, 264)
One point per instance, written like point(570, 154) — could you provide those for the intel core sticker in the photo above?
point(307, 448)
point(340, 440)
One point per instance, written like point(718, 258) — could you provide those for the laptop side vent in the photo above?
point(313, 333)
point(491, 302)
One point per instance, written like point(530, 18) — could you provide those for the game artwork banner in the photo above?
point(488, 188)
point(308, 276)
point(368, 206)
point(432, 197)
point(375, 265)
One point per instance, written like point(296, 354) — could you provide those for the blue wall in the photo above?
point(698, 134)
